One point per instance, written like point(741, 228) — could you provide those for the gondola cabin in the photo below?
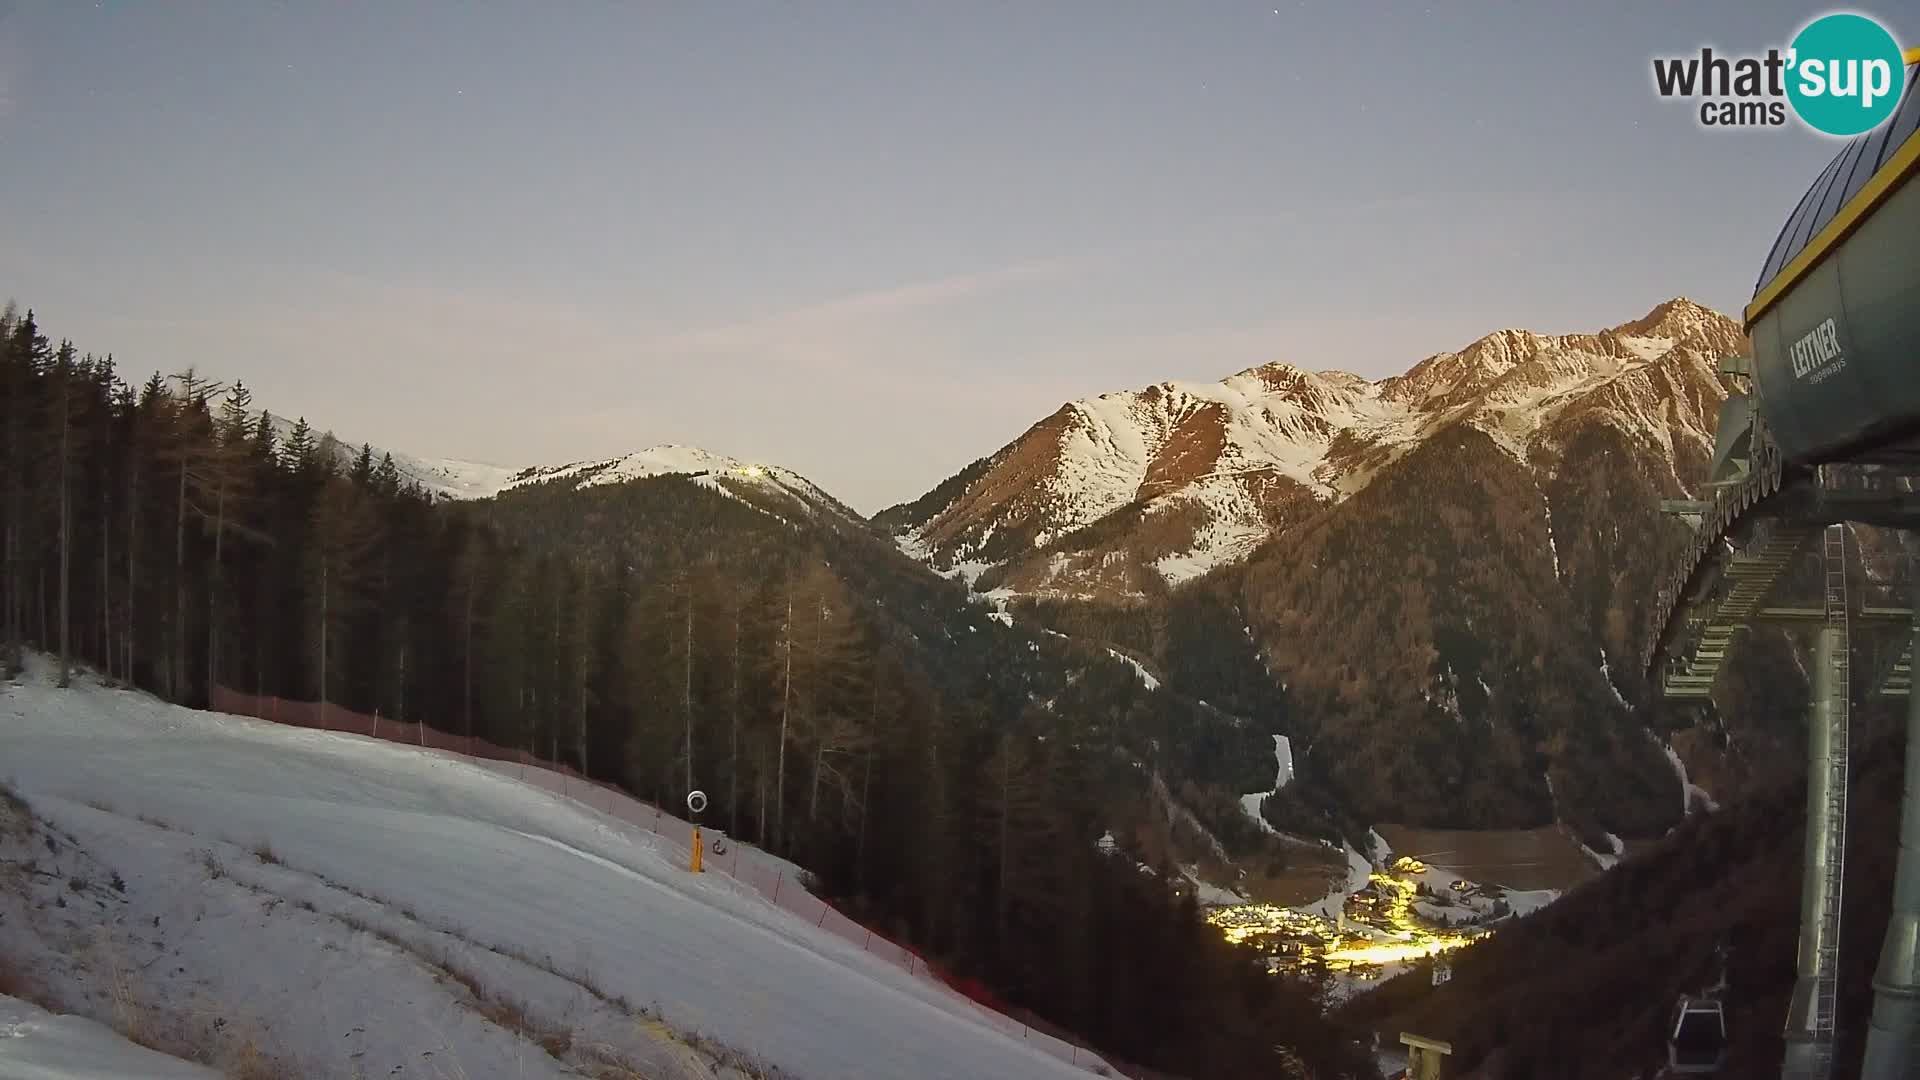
point(1697, 1041)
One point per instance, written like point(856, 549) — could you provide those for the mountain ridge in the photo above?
point(456, 479)
point(1433, 567)
point(1211, 470)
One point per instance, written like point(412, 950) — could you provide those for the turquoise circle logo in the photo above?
point(1846, 74)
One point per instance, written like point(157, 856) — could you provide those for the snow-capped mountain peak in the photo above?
point(449, 478)
point(1182, 477)
point(716, 471)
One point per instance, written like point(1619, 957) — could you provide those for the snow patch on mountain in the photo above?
point(1691, 794)
point(1606, 860)
point(1233, 528)
point(1146, 679)
point(1283, 758)
point(1606, 672)
point(442, 478)
point(1359, 872)
point(711, 470)
point(449, 478)
point(1207, 894)
point(1553, 548)
point(1274, 418)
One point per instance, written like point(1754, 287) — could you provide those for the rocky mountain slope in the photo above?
point(1448, 570)
point(1126, 493)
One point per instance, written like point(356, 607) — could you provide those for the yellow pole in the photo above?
point(696, 849)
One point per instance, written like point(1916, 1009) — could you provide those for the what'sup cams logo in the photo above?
point(1841, 75)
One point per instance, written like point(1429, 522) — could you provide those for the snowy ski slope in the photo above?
point(458, 857)
point(37, 1046)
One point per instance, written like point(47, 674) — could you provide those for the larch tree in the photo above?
point(27, 354)
point(191, 454)
point(468, 607)
point(228, 472)
point(733, 599)
point(582, 618)
point(65, 374)
point(345, 534)
point(151, 422)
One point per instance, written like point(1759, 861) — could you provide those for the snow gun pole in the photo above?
point(696, 802)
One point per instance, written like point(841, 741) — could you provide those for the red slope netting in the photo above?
point(771, 879)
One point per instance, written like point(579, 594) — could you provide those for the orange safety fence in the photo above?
point(772, 879)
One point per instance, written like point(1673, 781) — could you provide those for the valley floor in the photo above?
point(311, 904)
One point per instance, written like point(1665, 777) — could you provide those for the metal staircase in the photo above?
point(1894, 678)
point(1898, 680)
point(1752, 574)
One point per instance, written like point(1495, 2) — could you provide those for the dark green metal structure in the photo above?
point(1835, 320)
point(1828, 434)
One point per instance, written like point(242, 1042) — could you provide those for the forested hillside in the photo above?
point(945, 774)
point(1585, 989)
point(1448, 570)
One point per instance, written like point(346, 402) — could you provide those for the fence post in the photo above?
point(776, 887)
point(823, 914)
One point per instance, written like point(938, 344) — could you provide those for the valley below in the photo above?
point(1378, 918)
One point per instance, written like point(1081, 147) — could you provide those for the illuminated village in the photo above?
point(1387, 923)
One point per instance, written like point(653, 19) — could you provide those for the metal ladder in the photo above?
point(1834, 550)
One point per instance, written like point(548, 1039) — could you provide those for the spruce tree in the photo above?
point(298, 453)
point(386, 478)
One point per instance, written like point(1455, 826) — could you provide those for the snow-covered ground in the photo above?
point(353, 907)
point(1359, 872)
point(1470, 899)
point(1146, 679)
point(1207, 894)
point(1283, 757)
point(1606, 860)
point(1691, 794)
point(37, 1045)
